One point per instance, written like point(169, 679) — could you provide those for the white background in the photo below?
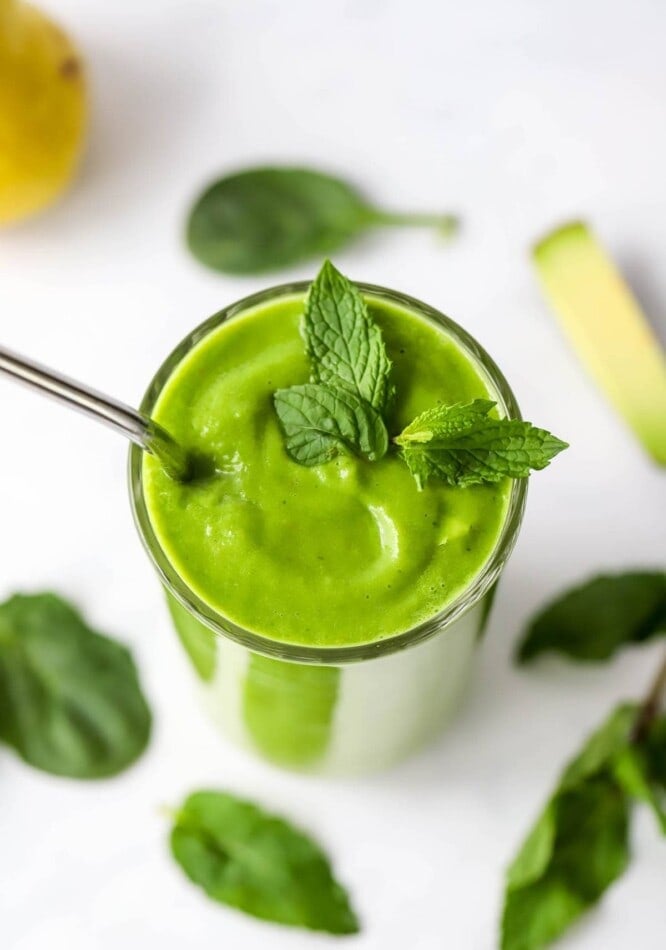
point(516, 115)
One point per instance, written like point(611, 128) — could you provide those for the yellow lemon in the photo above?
point(42, 110)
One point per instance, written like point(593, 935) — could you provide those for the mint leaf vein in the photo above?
point(319, 422)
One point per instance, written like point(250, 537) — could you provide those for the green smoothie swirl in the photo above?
point(343, 553)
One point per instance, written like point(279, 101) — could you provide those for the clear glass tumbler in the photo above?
point(336, 710)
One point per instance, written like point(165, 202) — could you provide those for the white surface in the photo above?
point(517, 114)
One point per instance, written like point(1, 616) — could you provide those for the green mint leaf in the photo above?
point(419, 465)
point(319, 422)
point(344, 344)
point(70, 699)
point(263, 219)
point(258, 863)
point(442, 421)
point(578, 846)
point(463, 446)
point(594, 621)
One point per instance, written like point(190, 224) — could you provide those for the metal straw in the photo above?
point(135, 426)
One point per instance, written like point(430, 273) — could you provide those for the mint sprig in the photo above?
point(343, 408)
point(463, 445)
point(340, 410)
point(579, 845)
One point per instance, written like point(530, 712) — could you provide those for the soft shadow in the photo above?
point(143, 115)
point(641, 279)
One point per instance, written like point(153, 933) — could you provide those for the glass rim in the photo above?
point(302, 653)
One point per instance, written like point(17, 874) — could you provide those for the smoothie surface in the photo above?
point(339, 554)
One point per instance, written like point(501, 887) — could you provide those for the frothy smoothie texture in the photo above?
point(340, 554)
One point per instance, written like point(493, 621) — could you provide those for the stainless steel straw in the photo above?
point(131, 423)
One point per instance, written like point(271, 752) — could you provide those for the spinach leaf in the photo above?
point(258, 863)
point(594, 621)
point(70, 699)
point(263, 219)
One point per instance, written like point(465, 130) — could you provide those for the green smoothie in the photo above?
point(344, 553)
